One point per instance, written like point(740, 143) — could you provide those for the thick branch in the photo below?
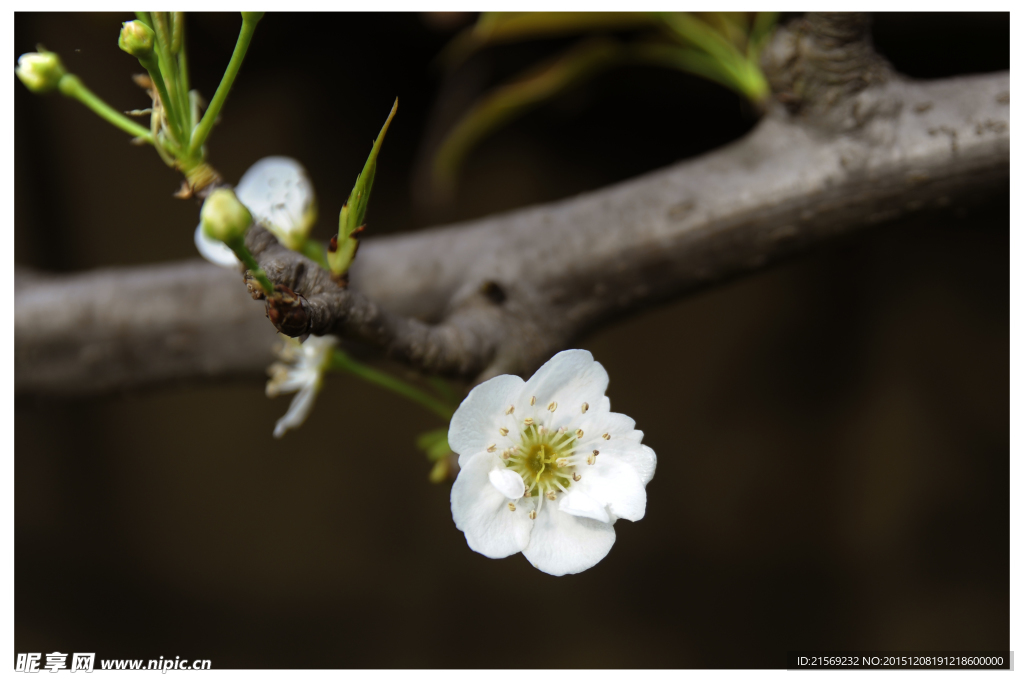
point(502, 294)
point(94, 332)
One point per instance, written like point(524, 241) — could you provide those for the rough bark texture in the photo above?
point(848, 144)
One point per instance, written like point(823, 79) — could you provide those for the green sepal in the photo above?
point(353, 213)
point(434, 443)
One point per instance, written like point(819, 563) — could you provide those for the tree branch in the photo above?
point(850, 144)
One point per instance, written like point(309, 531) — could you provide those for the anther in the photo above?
point(606, 436)
point(579, 433)
point(576, 477)
point(503, 431)
point(533, 400)
point(505, 454)
point(528, 420)
point(596, 452)
point(527, 493)
point(533, 515)
point(591, 460)
point(511, 506)
point(542, 430)
point(492, 448)
point(585, 407)
point(563, 429)
point(550, 495)
point(553, 406)
point(511, 408)
point(561, 463)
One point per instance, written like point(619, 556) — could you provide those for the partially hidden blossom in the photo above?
point(546, 466)
point(301, 369)
point(279, 194)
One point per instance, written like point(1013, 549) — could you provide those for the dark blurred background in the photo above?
point(832, 432)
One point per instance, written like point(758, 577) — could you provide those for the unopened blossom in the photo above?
point(40, 71)
point(280, 196)
point(546, 466)
point(301, 369)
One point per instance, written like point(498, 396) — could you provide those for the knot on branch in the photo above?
point(312, 302)
point(816, 66)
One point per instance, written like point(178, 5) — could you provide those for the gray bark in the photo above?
point(847, 145)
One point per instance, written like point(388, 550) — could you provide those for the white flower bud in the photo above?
point(40, 71)
point(136, 39)
point(223, 216)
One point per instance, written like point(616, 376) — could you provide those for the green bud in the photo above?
point(224, 217)
point(136, 39)
point(40, 71)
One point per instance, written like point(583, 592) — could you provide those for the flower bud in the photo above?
point(136, 39)
point(223, 216)
point(40, 71)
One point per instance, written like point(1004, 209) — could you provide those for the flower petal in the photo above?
point(607, 422)
point(482, 512)
point(475, 425)
point(615, 484)
point(628, 450)
point(278, 194)
point(215, 251)
point(577, 503)
point(507, 482)
point(570, 378)
point(298, 410)
point(563, 544)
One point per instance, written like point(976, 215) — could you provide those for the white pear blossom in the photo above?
point(280, 196)
point(546, 466)
point(301, 369)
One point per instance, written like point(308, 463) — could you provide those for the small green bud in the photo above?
point(136, 39)
point(224, 217)
point(40, 71)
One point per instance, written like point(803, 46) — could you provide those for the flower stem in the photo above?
point(202, 131)
point(238, 246)
point(71, 86)
point(163, 70)
point(340, 361)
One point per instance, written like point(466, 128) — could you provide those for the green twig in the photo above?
point(202, 130)
point(165, 75)
point(71, 86)
point(340, 361)
point(238, 246)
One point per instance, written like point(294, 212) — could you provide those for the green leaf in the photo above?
point(494, 28)
point(511, 100)
point(353, 213)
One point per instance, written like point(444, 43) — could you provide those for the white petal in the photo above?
point(628, 450)
point(298, 410)
point(215, 251)
point(563, 544)
point(615, 484)
point(607, 422)
point(288, 381)
point(278, 193)
point(482, 512)
point(570, 378)
point(475, 425)
point(577, 503)
point(507, 482)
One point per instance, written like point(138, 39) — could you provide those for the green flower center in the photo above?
point(544, 459)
